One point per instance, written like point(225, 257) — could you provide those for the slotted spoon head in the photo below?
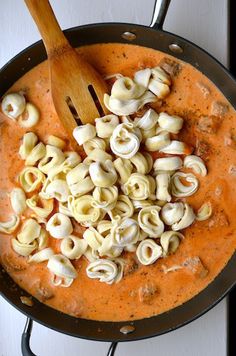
point(77, 89)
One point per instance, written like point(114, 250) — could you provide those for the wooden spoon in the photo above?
point(75, 84)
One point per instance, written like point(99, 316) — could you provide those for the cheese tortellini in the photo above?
point(59, 226)
point(105, 125)
point(148, 252)
point(7, 227)
point(103, 174)
point(150, 222)
point(125, 141)
point(18, 200)
point(139, 186)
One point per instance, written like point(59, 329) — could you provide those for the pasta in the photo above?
point(97, 155)
point(176, 148)
point(126, 89)
point(24, 249)
point(158, 142)
point(61, 267)
point(18, 200)
point(128, 107)
point(125, 232)
point(58, 189)
point(124, 141)
point(84, 211)
point(56, 141)
point(73, 247)
point(41, 256)
point(142, 163)
point(41, 207)
point(170, 123)
point(13, 105)
point(103, 174)
point(36, 154)
point(29, 117)
point(139, 187)
point(170, 242)
point(147, 121)
point(59, 226)
point(31, 178)
point(93, 238)
point(142, 77)
point(79, 181)
point(123, 208)
point(29, 142)
point(150, 222)
point(178, 189)
point(167, 164)
point(105, 198)
point(30, 231)
point(196, 164)
point(95, 142)
point(148, 252)
point(84, 133)
point(162, 184)
point(54, 157)
point(105, 125)
point(7, 227)
point(124, 169)
point(204, 212)
point(104, 270)
point(171, 213)
point(186, 220)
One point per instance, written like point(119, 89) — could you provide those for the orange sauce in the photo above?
point(213, 240)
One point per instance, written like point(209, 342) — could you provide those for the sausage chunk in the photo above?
point(170, 66)
point(208, 124)
point(219, 109)
point(147, 292)
point(195, 265)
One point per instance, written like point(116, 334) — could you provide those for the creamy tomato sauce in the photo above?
point(144, 290)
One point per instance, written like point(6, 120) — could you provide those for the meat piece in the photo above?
point(195, 266)
point(130, 266)
point(203, 149)
point(43, 294)
point(219, 109)
point(27, 301)
point(219, 218)
point(170, 66)
point(230, 139)
point(147, 292)
point(208, 124)
point(232, 170)
point(204, 89)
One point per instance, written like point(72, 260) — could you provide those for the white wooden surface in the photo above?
point(205, 23)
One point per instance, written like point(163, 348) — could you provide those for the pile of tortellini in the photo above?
point(126, 200)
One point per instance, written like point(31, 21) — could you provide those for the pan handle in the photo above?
point(159, 13)
point(25, 341)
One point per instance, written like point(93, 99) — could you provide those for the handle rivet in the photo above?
point(129, 36)
point(175, 48)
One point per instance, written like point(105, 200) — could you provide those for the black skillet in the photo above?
point(153, 37)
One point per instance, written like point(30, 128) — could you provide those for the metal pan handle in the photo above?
point(159, 13)
point(25, 341)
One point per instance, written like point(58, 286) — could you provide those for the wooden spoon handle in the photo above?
point(48, 26)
